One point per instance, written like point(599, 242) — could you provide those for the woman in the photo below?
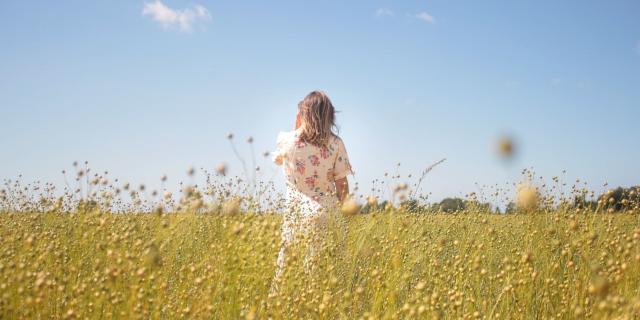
point(316, 166)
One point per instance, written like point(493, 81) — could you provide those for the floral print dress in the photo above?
point(311, 171)
point(310, 174)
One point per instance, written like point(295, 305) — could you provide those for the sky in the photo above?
point(146, 88)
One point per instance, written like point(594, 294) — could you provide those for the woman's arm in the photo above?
point(342, 188)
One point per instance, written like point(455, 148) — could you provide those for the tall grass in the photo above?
point(385, 265)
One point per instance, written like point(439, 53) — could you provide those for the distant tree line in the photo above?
point(447, 205)
point(615, 200)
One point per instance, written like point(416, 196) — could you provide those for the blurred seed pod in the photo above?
point(221, 169)
point(506, 147)
point(232, 206)
point(350, 207)
point(528, 197)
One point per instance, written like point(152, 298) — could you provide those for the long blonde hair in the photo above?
point(317, 118)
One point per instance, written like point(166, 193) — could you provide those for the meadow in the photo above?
point(105, 249)
point(388, 264)
point(496, 93)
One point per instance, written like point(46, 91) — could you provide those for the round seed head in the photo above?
point(350, 207)
point(221, 169)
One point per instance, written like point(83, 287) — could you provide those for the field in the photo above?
point(386, 265)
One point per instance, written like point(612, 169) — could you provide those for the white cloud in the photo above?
point(384, 12)
point(426, 17)
point(183, 19)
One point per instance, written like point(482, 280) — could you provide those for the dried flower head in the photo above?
point(505, 147)
point(221, 169)
point(232, 206)
point(528, 197)
point(350, 207)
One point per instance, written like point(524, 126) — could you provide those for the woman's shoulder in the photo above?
point(284, 136)
point(286, 140)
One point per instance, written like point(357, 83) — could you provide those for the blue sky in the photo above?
point(144, 92)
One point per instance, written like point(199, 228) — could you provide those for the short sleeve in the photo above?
point(341, 166)
point(283, 140)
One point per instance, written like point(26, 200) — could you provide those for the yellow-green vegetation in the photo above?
point(386, 265)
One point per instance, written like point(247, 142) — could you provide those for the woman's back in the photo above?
point(311, 169)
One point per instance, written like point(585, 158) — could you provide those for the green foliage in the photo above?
point(449, 205)
point(620, 199)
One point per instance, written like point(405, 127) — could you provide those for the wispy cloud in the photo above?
point(183, 19)
point(426, 17)
point(384, 12)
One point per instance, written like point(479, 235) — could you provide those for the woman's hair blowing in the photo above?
point(317, 117)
